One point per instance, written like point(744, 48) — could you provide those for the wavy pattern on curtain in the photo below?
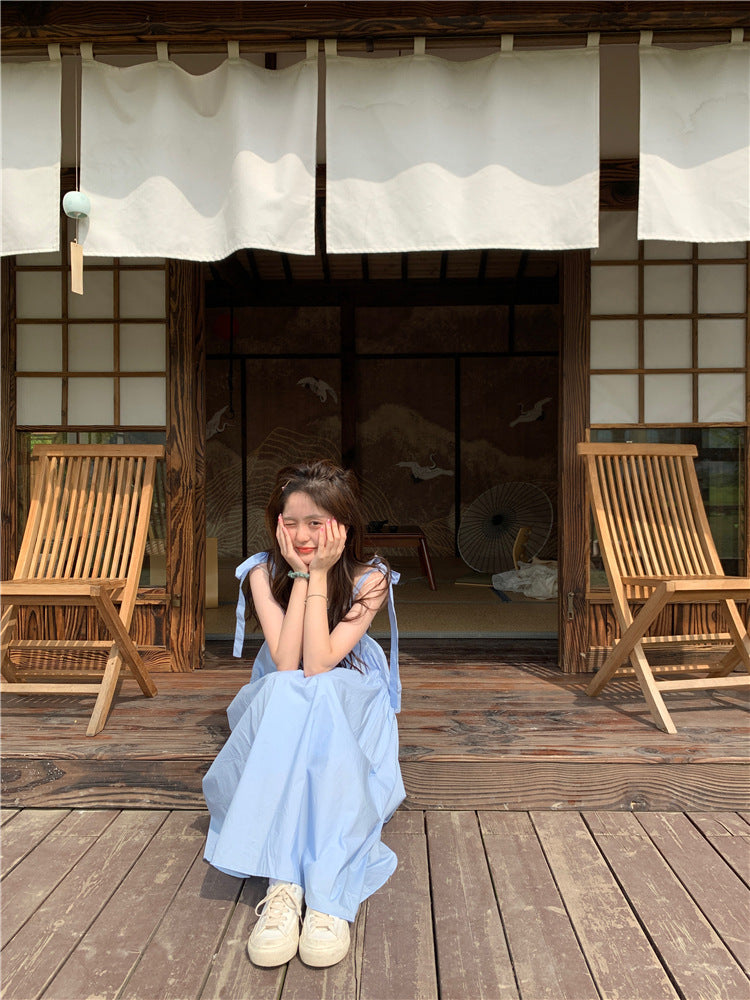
point(30, 187)
point(196, 167)
point(695, 144)
point(429, 154)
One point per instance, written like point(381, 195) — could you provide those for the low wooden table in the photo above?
point(404, 536)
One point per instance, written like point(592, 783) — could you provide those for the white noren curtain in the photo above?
point(196, 167)
point(695, 144)
point(30, 187)
point(429, 154)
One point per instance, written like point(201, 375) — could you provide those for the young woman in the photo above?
point(300, 791)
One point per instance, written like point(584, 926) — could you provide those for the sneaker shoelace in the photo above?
point(280, 900)
point(322, 922)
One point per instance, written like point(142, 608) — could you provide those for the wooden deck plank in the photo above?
point(232, 973)
point(46, 940)
point(465, 913)
point(123, 927)
point(533, 913)
point(6, 814)
point(715, 887)
point(671, 918)
point(30, 882)
point(20, 837)
point(399, 956)
point(726, 833)
point(176, 960)
point(619, 955)
point(488, 725)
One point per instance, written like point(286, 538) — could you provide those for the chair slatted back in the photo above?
point(649, 513)
point(89, 514)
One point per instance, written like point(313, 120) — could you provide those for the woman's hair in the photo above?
point(335, 491)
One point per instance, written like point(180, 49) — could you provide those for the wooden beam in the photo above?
point(531, 291)
point(618, 184)
point(266, 24)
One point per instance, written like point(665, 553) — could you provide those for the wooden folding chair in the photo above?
point(657, 550)
point(82, 548)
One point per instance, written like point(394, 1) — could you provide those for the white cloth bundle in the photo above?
point(535, 579)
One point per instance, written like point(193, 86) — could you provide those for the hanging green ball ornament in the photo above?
point(76, 205)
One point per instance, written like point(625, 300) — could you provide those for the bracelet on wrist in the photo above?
point(296, 575)
point(317, 595)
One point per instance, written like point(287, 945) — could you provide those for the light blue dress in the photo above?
point(309, 774)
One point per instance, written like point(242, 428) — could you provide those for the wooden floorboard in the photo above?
point(542, 906)
point(484, 725)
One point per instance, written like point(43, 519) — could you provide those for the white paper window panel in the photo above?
point(614, 343)
point(38, 295)
point(38, 347)
point(721, 343)
point(614, 399)
point(667, 250)
point(614, 290)
point(98, 299)
point(143, 294)
point(91, 347)
point(618, 236)
point(38, 401)
point(143, 401)
point(721, 398)
point(667, 399)
point(721, 250)
point(667, 343)
point(667, 289)
point(143, 347)
point(722, 288)
point(91, 401)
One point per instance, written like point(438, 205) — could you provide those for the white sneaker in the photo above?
point(324, 940)
point(275, 937)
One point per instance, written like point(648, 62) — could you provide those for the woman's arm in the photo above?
point(322, 650)
point(281, 630)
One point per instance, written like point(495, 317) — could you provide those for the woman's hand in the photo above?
point(287, 549)
point(331, 542)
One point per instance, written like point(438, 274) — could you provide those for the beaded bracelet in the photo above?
point(295, 575)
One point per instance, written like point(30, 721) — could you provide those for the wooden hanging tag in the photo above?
point(76, 268)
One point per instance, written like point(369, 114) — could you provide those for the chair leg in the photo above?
point(106, 694)
point(631, 636)
point(7, 634)
point(660, 715)
point(740, 652)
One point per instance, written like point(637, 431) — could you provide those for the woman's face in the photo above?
point(304, 521)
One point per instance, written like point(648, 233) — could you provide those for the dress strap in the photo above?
point(394, 680)
point(241, 572)
point(394, 683)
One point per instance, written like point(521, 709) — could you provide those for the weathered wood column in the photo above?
point(573, 516)
point(186, 478)
point(9, 501)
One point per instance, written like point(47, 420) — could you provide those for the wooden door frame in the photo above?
point(186, 472)
point(573, 415)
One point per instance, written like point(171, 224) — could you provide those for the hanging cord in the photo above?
point(76, 102)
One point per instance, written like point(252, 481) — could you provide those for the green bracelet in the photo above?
point(296, 575)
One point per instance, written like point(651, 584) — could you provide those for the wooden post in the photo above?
point(8, 500)
point(573, 516)
point(186, 437)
